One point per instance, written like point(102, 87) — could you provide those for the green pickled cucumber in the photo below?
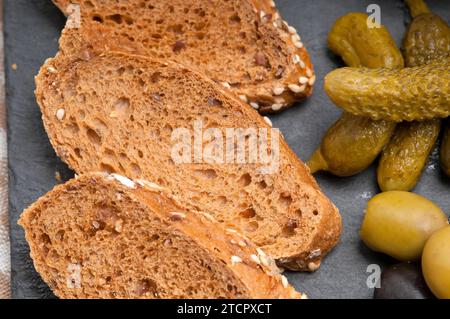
point(404, 158)
point(359, 45)
point(417, 93)
point(351, 144)
point(427, 38)
point(445, 150)
point(417, 7)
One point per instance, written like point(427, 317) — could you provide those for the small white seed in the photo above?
point(51, 69)
point(284, 281)
point(124, 180)
point(295, 38)
point(235, 260)
point(313, 266)
point(118, 225)
point(295, 88)
point(292, 30)
point(226, 85)
point(298, 44)
point(303, 80)
point(278, 90)
point(309, 72)
point(243, 98)
point(268, 121)
point(260, 252)
point(255, 259)
point(312, 80)
point(302, 64)
point(254, 105)
point(242, 243)
point(60, 114)
point(296, 59)
point(276, 106)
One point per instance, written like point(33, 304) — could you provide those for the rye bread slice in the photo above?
point(117, 113)
point(106, 236)
point(243, 44)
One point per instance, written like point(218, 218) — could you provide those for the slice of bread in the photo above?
point(118, 113)
point(106, 236)
point(243, 44)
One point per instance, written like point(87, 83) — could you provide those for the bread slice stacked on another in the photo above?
point(117, 113)
point(242, 44)
point(105, 236)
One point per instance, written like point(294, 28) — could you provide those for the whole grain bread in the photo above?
point(118, 112)
point(106, 236)
point(242, 44)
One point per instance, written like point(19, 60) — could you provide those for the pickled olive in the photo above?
point(402, 281)
point(351, 145)
point(436, 263)
point(445, 150)
point(399, 223)
point(405, 156)
point(408, 94)
point(359, 45)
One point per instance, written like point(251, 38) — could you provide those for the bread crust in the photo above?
point(273, 95)
point(315, 244)
point(233, 250)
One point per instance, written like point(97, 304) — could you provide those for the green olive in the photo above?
point(399, 223)
point(436, 263)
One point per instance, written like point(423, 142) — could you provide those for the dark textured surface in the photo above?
point(32, 29)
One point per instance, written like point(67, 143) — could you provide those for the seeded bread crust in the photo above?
point(99, 118)
point(269, 68)
point(245, 270)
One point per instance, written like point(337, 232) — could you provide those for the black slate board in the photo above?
point(32, 29)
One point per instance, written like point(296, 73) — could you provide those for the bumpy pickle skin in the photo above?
point(427, 38)
point(359, 46)
point(409, 94)
point(404, 158)
point(352, 143)
point(445, 150)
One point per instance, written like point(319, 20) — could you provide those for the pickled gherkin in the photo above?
point(353, 142)
point(359, 45)
point(445, 150)
point(409, 94)
point(404, 158)
point(427, 37)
